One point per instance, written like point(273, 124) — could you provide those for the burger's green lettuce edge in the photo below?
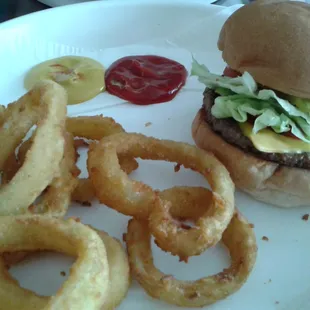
point(240, 97)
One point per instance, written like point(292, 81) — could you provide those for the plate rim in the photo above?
point(105, 4)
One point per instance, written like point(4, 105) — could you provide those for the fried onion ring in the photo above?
point(2, 114)
point(45, 105)
point(120, 278)
point(10, 168)
point(88, 127)
point(182, 241)
point(119, 271)
point(84, 192)
point(186, 202)
point(88, 284)
point(240, 240)
point(95, 128)
point(116, 190)
point(56, 198)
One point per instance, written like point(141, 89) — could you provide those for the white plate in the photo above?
point(106, 31)
point(54, 3)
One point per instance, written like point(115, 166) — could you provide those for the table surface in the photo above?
point(14, 8)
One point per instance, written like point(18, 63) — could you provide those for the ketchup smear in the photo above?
point(146, 79)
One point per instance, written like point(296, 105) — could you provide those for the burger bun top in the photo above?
point(271, 41)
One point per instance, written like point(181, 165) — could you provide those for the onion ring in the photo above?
point(240, 241)
point(88, 284)
point(182, 241)
point(2, 114)
point(186, 202)
point(84, 192)
point(56, 197)
point(120, 277)
point(95, 128)
point(46, 106)
point(10, 168)
point(119, 271)
point(116, 190)
point(13, 258)
point(88, 127)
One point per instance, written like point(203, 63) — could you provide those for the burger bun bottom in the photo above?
point(265, 181)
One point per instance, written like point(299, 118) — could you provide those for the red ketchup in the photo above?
point(146, 79)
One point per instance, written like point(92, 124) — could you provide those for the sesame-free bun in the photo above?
point(265, 181)
point(270, 40)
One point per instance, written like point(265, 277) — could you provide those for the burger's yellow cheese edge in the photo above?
point(270, 142)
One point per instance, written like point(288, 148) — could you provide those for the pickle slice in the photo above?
point(82, 77)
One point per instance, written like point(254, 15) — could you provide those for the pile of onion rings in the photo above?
point(141, 201)
point(156, 213)
point(41, 154)
point(40, 179)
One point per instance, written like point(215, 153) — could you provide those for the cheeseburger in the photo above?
point(256, 116)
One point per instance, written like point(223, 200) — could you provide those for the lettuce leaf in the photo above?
point(240, 97)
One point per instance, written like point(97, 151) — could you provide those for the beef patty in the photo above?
point(230, 131)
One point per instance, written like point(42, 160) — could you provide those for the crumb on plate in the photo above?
point(177, 167)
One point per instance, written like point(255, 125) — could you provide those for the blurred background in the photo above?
point(14, 8)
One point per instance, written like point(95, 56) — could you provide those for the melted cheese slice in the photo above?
point(268, 141)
